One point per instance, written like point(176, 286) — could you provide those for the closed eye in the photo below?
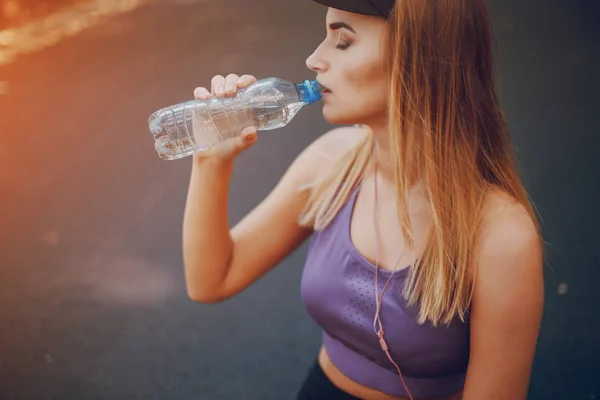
point(342, 43)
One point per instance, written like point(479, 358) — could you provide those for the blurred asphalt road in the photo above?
point(92, 297)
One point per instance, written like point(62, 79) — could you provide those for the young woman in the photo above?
point(425, 262)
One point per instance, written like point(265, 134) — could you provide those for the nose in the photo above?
point(315, 62)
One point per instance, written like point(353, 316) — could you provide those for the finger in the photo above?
point(202, 93)
point(245, 80)
point(249, 134)
point(217, 86)
point(231, 84)
point(246, 139)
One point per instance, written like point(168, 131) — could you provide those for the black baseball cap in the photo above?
point(380, 8)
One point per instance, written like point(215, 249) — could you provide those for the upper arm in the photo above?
point(270, 232)
point(506, 309)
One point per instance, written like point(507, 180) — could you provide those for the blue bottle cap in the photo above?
point(312, 91)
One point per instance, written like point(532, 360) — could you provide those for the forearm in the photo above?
point(207, 244)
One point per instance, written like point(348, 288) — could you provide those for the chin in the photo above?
point(337, 118)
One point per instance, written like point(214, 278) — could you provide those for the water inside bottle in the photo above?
point(171, 127)
point(275, 117)
point(197, 127)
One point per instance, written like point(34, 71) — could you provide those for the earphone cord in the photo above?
point(377, 321)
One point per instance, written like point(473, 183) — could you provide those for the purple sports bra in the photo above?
point(338, 291)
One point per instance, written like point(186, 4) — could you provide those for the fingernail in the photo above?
point(219, 90)
point(230, 88)
point(240, 81)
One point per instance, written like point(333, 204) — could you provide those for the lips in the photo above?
point(324, 89)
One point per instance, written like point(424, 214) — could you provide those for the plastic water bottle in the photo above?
point(200, 125)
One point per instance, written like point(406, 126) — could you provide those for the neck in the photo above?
point(383, 156)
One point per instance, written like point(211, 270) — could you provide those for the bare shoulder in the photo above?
point(336, 142)
point(506, 219)
point(510, 249)
point(328, 148)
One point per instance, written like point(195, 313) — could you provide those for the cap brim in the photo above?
point(364, 7)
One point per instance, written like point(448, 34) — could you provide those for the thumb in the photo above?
point(247, 138)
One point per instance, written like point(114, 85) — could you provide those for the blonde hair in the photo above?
point(443, 111)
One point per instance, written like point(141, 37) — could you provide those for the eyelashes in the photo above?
point(342, 43)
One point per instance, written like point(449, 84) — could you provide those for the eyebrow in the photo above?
point(337, 25)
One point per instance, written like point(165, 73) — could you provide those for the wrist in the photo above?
point(212, 162)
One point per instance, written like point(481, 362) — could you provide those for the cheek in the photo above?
point(366, 80)
point(364, 94)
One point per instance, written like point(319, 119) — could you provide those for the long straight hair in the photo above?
point(444, 116)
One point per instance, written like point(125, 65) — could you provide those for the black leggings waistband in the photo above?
point(317, 386)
